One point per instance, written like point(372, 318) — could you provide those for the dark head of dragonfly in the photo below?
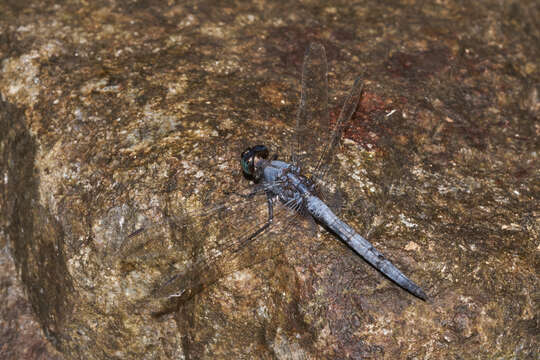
point(249, 159)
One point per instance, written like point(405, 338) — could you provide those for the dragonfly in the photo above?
point(285, 199)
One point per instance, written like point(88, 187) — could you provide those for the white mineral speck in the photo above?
point(408, 223)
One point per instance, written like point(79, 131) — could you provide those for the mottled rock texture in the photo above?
point(115, 113)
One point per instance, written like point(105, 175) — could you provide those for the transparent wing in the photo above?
point(316, 139)
point(312, 120)
point(213, 242)
point(235, 252)
point(327, 162)
point(182, 221)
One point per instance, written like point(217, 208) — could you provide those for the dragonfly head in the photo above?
point(251, 157)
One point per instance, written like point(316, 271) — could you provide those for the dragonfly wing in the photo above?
point(327, 160)
point(179, 224)
point(312, 120)
point(315, 140)
point(219, 246)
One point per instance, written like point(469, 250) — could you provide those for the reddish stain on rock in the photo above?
point(367, 124)
point(418, 65)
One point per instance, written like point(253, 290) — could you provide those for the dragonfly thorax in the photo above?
point(284, 181)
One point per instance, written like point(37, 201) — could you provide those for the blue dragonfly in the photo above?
point(285, 199)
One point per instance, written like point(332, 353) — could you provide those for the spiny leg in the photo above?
point(270, 201)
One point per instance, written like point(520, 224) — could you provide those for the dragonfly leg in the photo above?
point(270, 201)
point(256, 191)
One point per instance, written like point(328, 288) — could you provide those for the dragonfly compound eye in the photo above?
point(250, 156)
point(247, 162)
point(260, 151)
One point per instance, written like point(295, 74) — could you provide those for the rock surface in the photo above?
point(114, 114)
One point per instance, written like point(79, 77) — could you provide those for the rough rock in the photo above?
point(116, 115)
